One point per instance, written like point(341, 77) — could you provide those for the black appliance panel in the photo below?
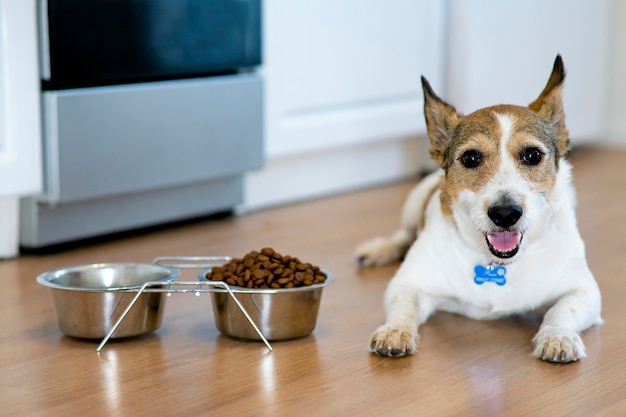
point(106, 42)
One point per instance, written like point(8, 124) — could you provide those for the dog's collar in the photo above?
point(495, 273)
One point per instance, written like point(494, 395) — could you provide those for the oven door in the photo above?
point(103, 42)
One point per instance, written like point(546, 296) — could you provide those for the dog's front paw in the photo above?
point(394, 341)
point(556, 344)
point(378, 251)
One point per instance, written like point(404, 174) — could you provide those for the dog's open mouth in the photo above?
point(504, 244)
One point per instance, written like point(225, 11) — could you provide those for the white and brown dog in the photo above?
point(493, 232)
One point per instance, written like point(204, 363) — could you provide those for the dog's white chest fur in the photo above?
point(442, 263)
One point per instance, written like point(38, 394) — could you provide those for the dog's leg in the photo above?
point(384, 250)
point(558, 338)
point(406, 310)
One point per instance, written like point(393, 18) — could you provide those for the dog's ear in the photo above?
point(549, 105)
point(441, 119)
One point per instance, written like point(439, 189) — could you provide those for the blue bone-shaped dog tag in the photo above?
point(490, 273)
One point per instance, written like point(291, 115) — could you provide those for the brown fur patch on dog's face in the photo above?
point(479, 132)
point(483, 134)
point(531, 131)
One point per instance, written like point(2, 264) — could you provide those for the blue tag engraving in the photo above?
point(490, 273)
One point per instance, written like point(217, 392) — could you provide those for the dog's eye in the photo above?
point(531, 156)
point(471, 159)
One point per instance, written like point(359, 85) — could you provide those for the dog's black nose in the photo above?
point(505, 215)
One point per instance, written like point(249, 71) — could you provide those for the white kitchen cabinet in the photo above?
point(343, 96)
point(20, 140)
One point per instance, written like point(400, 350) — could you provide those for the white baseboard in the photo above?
point(285, 180)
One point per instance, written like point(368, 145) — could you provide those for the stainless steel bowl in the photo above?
point(89, 299)
point(280, 314)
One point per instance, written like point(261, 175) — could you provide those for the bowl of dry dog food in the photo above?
point(281, 294)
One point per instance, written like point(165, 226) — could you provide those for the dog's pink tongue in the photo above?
point(504, 241)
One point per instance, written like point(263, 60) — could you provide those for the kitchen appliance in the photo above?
point(151, 111)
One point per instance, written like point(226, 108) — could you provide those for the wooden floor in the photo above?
point(186, 368)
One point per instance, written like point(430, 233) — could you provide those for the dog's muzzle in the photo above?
point(506, 243)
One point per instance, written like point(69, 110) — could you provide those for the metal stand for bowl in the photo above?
point(196, 287)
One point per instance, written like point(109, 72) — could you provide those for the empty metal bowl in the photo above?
point(280, 314)
point(89, 299)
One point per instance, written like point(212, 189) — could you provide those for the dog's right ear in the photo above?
point(549, 105)
point(441, 119)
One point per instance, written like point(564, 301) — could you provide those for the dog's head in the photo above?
point(501, 164)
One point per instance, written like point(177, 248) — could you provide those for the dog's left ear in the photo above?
point(441, 119)
point(549, 105)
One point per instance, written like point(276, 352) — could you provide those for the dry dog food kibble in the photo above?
point(267, 269)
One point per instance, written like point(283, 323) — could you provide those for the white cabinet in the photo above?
point(343, 96)
point(20, 143)
point(340, 72)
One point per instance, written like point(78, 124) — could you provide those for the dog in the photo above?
point(492, 232)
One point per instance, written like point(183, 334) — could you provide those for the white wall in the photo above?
point(503, 51)
point(617, 76)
